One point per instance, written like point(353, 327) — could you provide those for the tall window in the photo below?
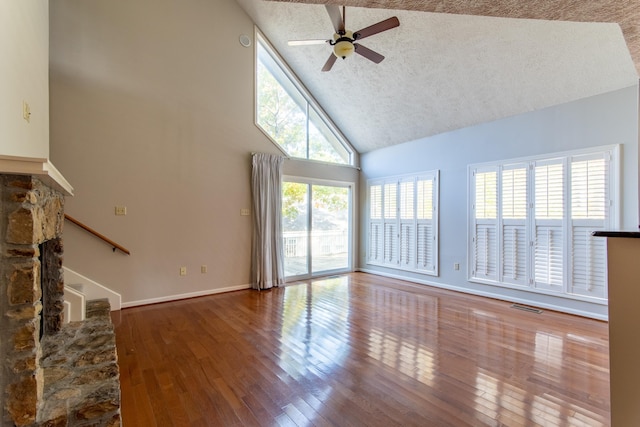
point(288, 115)
point(531, 221)
point(403, 222)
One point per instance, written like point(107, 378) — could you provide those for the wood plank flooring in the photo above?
point(359, 350)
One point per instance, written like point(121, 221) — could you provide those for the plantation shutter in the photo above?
point(485, 252)
point(589, 212)
point(403, 218)
point(407, 212)
point(376, 236)
point(549, 211)
point(514, 225)
point(485, 239)
point(548, 257)
point(589, 263)
point(390, 220)
point(425, 230)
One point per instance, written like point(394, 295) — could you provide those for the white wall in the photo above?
point(606, 119)
point(24, 76)
point(152, 107)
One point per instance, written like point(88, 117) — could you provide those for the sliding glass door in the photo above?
point(316, 220)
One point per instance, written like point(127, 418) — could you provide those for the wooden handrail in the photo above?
point(98, 235)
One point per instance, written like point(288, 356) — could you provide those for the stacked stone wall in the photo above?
point(31, 213)
point(53, 374)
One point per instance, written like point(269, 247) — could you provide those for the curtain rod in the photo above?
point(253, 153)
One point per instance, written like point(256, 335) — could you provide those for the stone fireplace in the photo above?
point(53, 374)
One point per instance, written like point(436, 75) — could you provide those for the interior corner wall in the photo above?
point(606, 119)
point(24, 77)
point(152, 108)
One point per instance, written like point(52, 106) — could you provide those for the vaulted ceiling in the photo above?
point(455, 64)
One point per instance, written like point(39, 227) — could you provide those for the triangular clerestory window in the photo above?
point(287, 113)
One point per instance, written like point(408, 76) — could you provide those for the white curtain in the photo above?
point(267, 268)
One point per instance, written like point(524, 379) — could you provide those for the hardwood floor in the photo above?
point(359, 350)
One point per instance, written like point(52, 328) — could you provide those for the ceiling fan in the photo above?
point(344, 41)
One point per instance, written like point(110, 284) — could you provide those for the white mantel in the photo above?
point(39, 167)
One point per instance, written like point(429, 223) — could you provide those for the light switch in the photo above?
point(245, 212)
point(121, 210)
point(26, 111)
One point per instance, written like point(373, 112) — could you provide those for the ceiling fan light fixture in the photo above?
point(343, 49)
point(343, 41)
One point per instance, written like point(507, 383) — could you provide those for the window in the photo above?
point(403, 222)
point(316, 224)
point(289, 116)
point(531, 221)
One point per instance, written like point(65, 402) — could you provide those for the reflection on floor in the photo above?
point(359, 350)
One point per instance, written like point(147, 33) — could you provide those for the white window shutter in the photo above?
point(390, 201)
point(549, 214)
point(514, 192)
point(486, 190)
point(390, 243)
point(485, 235)
point(375, 202)
point(376, 230)
point(589, 212)
point(549, 190)
point(376, 242)
point(514, 208)
point(407, 244)
point(425, 253)
point(485, 252)
point(425, 198)
point(589, 188)
point(407, 200)
point(547, 209)
point(549, 258)
point(403, 215)
point(407, 211)
point(514, 254)
point(589, 263)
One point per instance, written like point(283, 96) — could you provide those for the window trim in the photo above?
point(312, 104)
point(611, 221)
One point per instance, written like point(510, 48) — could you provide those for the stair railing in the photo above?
point(113, 244)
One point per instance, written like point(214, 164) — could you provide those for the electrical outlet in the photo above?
point(183, 271)
point(121, 210)
point(203, 269)
point(456, 266)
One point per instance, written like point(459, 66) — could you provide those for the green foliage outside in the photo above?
point(286, 122)
point(325, 198)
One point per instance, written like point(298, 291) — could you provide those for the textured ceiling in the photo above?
point(623, 12)
point(452, 69)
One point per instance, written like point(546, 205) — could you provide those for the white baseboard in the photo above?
point(492, 295)
point(184, 296)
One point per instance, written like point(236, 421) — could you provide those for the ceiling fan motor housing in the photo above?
point(343, 44)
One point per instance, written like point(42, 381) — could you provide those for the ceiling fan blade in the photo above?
point(381, 26)
point(329, 63)
point(336, 17)
point(368, 53)
point(307, 42)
